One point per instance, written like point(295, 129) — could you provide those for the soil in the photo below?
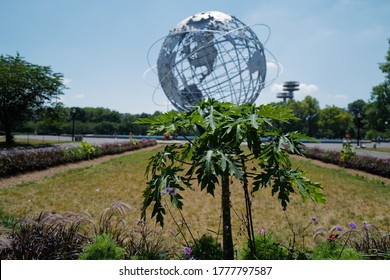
point(42, 174)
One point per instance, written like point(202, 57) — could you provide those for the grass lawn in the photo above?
point(93, 188)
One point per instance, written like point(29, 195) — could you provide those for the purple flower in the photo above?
point(352, 225)
point(365, 226)
point(170, 189)
point(187, 251)
point(226, 227)
point(314, 218)
point(262, 231)
point(339, 228)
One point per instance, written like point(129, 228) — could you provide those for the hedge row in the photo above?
point(368, 164)
point(19, 160)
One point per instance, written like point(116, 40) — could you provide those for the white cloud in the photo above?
point(308, 88)
point(275, 88)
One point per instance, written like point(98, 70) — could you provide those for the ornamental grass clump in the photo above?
point(368, 241)
point(47, 237)
point(73, 236)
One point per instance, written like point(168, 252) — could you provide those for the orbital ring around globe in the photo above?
point(224, 65)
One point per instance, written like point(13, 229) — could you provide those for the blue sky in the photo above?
point(332, 47)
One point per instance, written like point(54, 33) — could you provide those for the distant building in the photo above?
point(289, 88)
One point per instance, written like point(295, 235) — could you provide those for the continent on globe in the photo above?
point(211, 55)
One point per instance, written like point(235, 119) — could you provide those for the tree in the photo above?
point(307, 113)
point(378, 110)
point(357, 109)
point(217, 154)
point(311, 109)
point(334, 122)
point(24, 88)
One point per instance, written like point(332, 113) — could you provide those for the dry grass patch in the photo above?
point(93, 188)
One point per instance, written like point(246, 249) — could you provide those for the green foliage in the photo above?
point(331, 250)
point(216, 153)
point(369, 242)
point(347, 152)
point(88, 149)
point(204, 248)
point(103, 247)
point(6, 220)
point(24, 88)
point(221, 128)
point(334, 122)
point(266, 248)
point(378, 110)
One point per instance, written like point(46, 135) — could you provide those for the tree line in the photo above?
point(331, 122)
point(59, 120)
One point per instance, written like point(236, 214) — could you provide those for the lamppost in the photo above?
point(359, 116)
point(73, 112)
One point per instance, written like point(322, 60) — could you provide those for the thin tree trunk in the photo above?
point(226, 219)
point(249, 219)
point(9, 139)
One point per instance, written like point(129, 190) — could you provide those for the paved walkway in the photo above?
point(324, 146)
point(359, 151)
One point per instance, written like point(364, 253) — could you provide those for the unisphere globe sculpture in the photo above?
point(211, 55)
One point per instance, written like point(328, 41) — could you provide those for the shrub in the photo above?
point(103, 247)
point(140, 242)
point(347, 152)
point(204, 248)
point(331, 250)
point(149, 244)
point(368, 164)
point(266, 248)
point(21, 160)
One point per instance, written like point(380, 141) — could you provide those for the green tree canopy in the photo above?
point(378, 110)
point(24, 88)
point(334, 122)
